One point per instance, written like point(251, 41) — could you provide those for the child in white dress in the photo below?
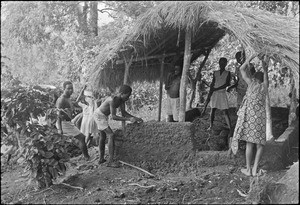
point(88, 125)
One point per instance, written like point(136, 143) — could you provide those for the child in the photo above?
point(251, 123)
point(88, 126)
point(101, 114)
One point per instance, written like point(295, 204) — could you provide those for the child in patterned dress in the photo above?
point(251, 122)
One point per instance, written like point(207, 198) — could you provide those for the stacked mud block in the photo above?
point(217, 138)
point(276, 152)
point(157, 146)
point(286, 190)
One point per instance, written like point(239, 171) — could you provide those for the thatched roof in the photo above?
point(161, 30)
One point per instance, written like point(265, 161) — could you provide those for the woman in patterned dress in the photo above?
point(251, 123)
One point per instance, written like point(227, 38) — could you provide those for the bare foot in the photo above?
point(246, 172)
point(101, 161)
point(87, 158)
point(229, 153)
point(254, 172)
point(114, 164)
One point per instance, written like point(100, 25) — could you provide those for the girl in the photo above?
point(251, 123)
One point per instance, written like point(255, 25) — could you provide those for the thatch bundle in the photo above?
point(260, 31)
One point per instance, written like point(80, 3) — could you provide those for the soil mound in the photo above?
point(163, 147)
point(286, 190)
point(157, 146)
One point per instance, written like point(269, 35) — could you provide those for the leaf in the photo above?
point(48, 154)
point(241, 193)
point(55, 173)
point(53, 162)
point(50, 146)
point(51, 171)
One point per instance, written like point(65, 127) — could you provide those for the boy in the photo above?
point(109, 106)
point(63, 123)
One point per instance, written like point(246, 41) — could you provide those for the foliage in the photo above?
point(45, 153)
point(43, 148)
point(143, 95)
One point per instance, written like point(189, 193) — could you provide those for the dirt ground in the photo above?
point(97, 184)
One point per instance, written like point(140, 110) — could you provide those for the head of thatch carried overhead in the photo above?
point(161, 30)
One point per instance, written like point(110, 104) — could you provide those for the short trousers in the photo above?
point(173, 107)
point(101, 120)
point(69, 128)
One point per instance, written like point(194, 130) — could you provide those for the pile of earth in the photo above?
point(217, 139)
point(162, 147)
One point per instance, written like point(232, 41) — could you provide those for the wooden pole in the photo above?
point(183, 82)
point(160, 88)
point(269, 133)
point(125, 82)
point(293, 101)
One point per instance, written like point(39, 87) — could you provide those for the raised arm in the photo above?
point(246, 78)
point(80, 94)
point(265, 63)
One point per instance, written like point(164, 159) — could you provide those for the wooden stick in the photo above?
point(75, 187)
point(136, 168)
point(136, 184)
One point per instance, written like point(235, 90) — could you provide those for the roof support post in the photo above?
point(125, 82)
point(293, 100)
point(269, 133)
point(183, 82)
point(160, 87)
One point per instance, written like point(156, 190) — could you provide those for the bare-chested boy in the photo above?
point(63, 123)
point(109, 106)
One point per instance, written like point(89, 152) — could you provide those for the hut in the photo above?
point(182, 31)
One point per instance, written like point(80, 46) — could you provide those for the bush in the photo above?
point(43, 148)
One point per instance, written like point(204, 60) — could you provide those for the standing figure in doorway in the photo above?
point(172, 86)
point(217, 94)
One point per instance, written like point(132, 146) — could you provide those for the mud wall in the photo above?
point(286, 190)
point(157, 146)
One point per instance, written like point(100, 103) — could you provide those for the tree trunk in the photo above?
point(293, 101)
point(126, 81)
point(199, 76)
point(269, 133)
point(160, 88)
point(183, 82)
point(94, 17)
point(82, 17)
point(193, 84)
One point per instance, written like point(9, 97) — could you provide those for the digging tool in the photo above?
point(136, 168)
point(207, 101)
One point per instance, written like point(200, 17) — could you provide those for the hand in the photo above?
point(139, 120)
point(202, 113)
point(251, 55)
point(132, 119)
point(228, 88)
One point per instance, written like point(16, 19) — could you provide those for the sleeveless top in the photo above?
point(220, 79)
